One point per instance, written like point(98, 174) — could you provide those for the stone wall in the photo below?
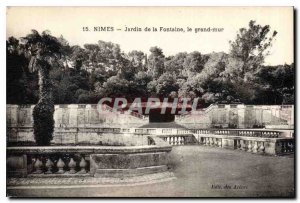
point(74, 124)
point(240, 116)
point(74, 115)
point(81, 123)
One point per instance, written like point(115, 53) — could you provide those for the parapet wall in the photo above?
point(240, 116)
point(73, 116)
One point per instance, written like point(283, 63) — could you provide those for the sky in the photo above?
point(69, 22)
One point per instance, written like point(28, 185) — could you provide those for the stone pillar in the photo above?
point(16, 165)
point(73, 122)
point(57, 116)
point(241, 116)
point(270, 148)
point(227, 143)
point(12, 113)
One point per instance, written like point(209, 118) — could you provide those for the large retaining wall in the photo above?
point(240, 116)
point(74, 115)
point(78, 136)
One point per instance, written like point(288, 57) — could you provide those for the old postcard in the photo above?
point(150, 102)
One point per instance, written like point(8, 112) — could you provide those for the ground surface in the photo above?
point(202, 171)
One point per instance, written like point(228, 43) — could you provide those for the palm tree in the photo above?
point(43, 50)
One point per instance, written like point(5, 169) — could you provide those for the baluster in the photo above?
point(60, 165)
point(215, 142)
point(238, 144)
point(220, 142)
point(203, 140)
point(72, 165)
point(82, 165)
point(49, 165)
point(38, 166)
point(249, 146)
point(261, 148)
point(255, 147)
point(243, 145)
point(291, 145)
point(177, 142)
point(212, 141)
point(168, 140)
point(288, 147)
point(284, 146)
point(207, 141)
point(183, 142)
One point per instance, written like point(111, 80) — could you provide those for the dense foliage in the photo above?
point(85, 74)
point(42, 52)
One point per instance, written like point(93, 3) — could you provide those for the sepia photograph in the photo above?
point(150, 102)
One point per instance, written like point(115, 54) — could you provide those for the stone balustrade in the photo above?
point(257, 145)
point(57, 164)
point(240, 132)
point(101, 136)
point(181, 139)
point(98, 161)
point(246, 141)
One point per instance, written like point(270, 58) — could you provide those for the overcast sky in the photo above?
point(68, 21)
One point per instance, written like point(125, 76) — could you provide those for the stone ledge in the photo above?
point(120, 173)
point(88, 149)
point(75, 182)
point(64, 175)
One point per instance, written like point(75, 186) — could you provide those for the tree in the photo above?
point(17, 80)
point(164, 85)
point(194, 63)
point(175, 64)
point(156, 62)
point(78, 56)
point(43, 50)
point(137, 59)
point(252, 46)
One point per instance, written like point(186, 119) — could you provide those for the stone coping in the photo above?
point(264, 139)
point(145, 129)
point(79, 182)
point(88, 149)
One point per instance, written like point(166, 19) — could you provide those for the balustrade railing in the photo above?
point(257, 145)
point(237, 132)
point(57, 164)
point(175, 140)
point(251, 143)
point(178, 139)
point(77, 161)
